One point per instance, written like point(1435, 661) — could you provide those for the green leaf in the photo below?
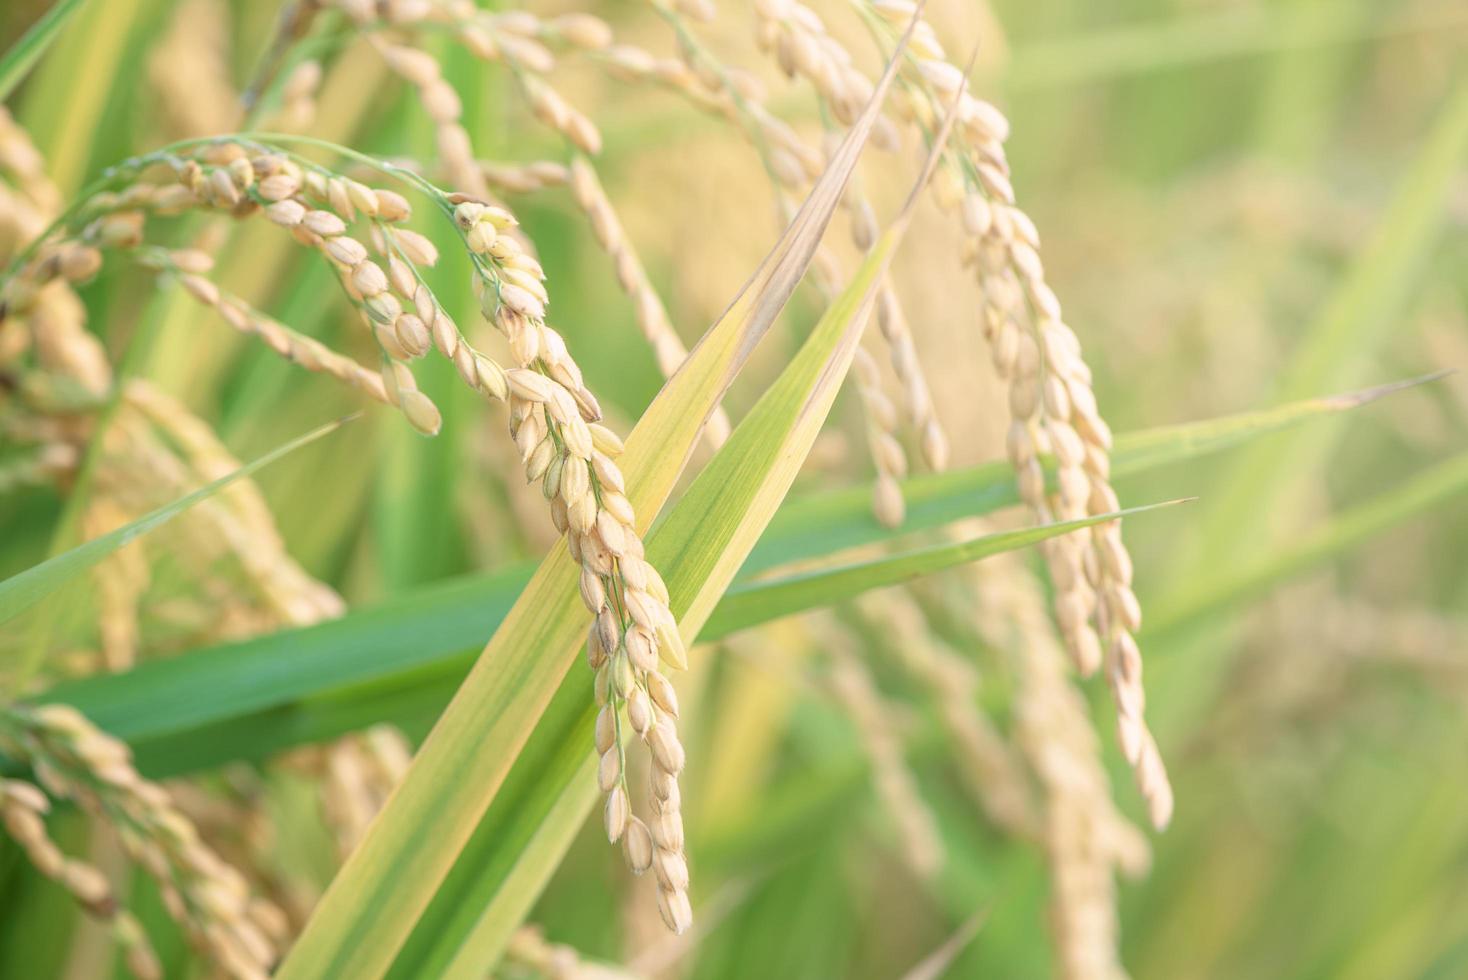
point(20, 592)
point(385, 885)
point(699, 547)
point(24, 53)
point(730, 503)
point(761, 601)
point(1442, 483)
point(399, 661)
point(824, 523)
point(1364, 310)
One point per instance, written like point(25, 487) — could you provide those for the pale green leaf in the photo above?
point(24, 53)
point(386, 884)
point(20, 592)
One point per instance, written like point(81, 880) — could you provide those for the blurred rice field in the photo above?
point(1242, 205)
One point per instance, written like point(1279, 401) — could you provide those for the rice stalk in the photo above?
point(75, 761)
point(792, 165)
point(1052, 407)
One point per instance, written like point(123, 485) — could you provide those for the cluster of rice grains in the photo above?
point(361, 232)
point(553, 420)
point(76, 762)
point(787, 30)
point(242, 180)
point(554, 417)
point(1052, 407)
point(524, 43)
point(152, 452)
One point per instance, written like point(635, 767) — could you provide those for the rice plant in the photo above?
point(367, 365)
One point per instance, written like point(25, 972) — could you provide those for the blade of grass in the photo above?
point(24, 53)
point(1359, 316)
point(823, 523)
point(20, 592)
point(255, 695)
point(762, 601)
point(385, 885)
point(1343, 532)
point(701, 545)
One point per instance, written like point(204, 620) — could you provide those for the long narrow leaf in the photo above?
point(702, 543)
point(265, 694)
point(1342, 533)
point(762, 601)
point(385, 885)
point(700, 547)
point(20, 592)
point(824, 523)
point(24, 53)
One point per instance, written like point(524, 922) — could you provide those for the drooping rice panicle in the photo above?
point(75, 761)
point(245, 180)
point(23, 810)
point(1053, 409)
point(553, 423)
